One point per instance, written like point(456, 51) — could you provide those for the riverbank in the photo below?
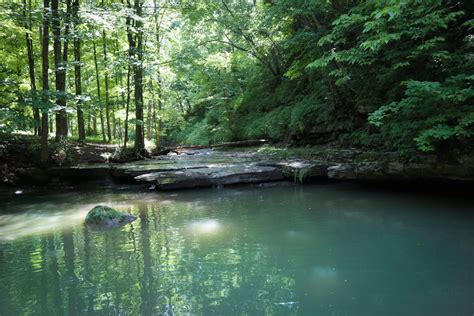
point(185, 168)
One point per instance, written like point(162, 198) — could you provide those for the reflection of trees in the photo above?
point(153, 267)
point(42, 294)
point(87, 271)
point(71, 279)
point(261, 257)
point(6, 305)
point(54, 277)
point(146, 280)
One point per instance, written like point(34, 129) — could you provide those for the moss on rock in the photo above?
point(104, 215)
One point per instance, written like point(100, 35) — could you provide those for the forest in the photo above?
point(391, 75)
point(236, 157)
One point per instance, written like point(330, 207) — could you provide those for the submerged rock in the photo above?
point(107, 216)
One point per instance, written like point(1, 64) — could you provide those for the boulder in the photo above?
point(107, 216)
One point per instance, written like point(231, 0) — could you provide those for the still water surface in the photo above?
point(332, 249)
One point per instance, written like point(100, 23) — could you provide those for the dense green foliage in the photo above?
point(395, 74)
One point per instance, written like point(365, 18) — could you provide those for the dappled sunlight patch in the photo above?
point(106, 156)
point(204, 227)
point(14, 226)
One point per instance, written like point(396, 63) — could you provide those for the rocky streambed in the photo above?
point(207, 167)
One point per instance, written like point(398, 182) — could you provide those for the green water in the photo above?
point(332, 249)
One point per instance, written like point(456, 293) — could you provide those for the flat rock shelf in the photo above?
point(208, 167)
point(212, 176)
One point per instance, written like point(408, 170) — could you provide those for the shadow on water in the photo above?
point(329, 249)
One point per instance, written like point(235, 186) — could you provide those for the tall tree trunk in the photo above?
point(77, 72)
point(127, 109)
point(45, 81)
point(149, 118)
point(70, 124)
point(157, 116)
point(106, 78)
point(89, 123)
point(117, 131)
point(98, 92)
point(94, 123)
point(51, 124)
point(31, 66)
point(60, 60)
point(131, 53)
point(138, 80)
point(158, 122)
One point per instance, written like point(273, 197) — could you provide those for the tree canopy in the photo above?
point(388, 74)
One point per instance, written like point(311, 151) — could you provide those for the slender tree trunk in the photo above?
point(87, 110)
point(60, 63)
point(158, 122)
point(155, 119)
point(158, 75)
point(115, 106)
point(122, 93)
point(117, 132)
point(94, 123)
point(77, 73)
point(51, 124)
point(89, 125)
point(70, 124)
point(106, 78)
point(31, 66)
point(57, 55)
point(98, 92)
point(138, 80)
point(131, 54)
point(67, 31)
point(156, 116)
point(127, 108)
point(45, 81)
point(149, 119)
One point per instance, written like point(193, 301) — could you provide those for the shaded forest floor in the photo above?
point(24, 151)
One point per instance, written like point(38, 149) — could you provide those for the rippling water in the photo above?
point(333, 249)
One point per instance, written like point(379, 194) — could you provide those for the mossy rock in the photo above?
point(107, 216)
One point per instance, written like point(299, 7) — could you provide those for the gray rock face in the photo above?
point(211, 176)
point(108, 217)
point(342, 171)
point(205, 168)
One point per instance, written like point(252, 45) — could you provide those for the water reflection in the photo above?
point(204, 227)
point(275, 251)
point(15, 226)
